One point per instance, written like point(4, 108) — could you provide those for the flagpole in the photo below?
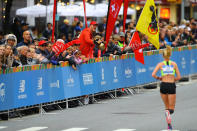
point(54, 15)
point(107, 18)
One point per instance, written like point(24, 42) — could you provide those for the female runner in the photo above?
point(168, 87)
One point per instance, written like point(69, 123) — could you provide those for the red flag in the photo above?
point(137, 47)
point(84, 6)
point(54, 15)
point(59, 47)
point(113, 11)
point(126, 4)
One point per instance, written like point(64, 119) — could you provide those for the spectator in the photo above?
point(102, 26)
point(12, 41)
point(78, 28)
point(16, 29)
point(121, 40)
point(193, 27)
point(48, 31)
point(169, 38)
point(9, 56)
point(22, 51)
point(2, 57)
point(1, 38)
point(26, 39)
point(64, 29)
point(112, 47)
point(86, 38)
point(34, 33)
point(63, 37)
point(162, 41)
point(42, 48)
point(38, 58)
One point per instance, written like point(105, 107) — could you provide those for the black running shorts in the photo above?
point(167, 88)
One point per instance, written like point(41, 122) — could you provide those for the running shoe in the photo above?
point(169, 127)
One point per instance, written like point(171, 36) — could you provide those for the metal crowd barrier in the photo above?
point(29, 86)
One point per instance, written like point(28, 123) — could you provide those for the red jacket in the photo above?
point(87, 44)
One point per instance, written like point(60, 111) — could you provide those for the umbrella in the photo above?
point(34, 11)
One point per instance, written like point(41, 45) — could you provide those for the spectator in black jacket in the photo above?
point(48, 31)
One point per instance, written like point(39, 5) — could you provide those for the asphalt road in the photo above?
point(140, 112)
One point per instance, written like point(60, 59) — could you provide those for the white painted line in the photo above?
point(51, 113)
point(75, 129)
point(33, 129)
point(3, 127)
point(125, 130)
point(169, 130)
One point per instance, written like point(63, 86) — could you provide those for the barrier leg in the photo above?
point(59, 107)
point(111, 95)
point(93, 99)
point(66, 103)
point(115, 93)
point(130, 91)
point(41, 110)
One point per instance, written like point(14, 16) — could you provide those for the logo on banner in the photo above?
point(39, 87)
point(183, 62)
point(128, 72)
point(151, 68)
point(141, 70)
point(114, 9)
point(115, 75)
point(22, 90)
point(193, 61)
point(39, 83)
point(70, 81)
point(55, 84)
point(2, 91)
point(87, 79)
point(103, 82)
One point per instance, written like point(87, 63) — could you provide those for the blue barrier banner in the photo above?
point(55, 84)
point(104, 77)
point(144, 72)
point(182, 59)
point(88, 76)
point(115, 70)
point(129, 73)
point(71, 82)
point(23, 88)
point(193, 61)
point(39, 85)
point(6, 92)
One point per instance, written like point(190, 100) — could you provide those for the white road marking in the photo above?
point(33, 129)
point(75, 129)
point(3, 127)
point(169, 130)
point(125, 130)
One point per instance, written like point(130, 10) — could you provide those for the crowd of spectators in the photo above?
point(26, 46)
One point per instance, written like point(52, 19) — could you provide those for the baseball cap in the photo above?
point(93, 23)
point(24, 24)
point(42, 42)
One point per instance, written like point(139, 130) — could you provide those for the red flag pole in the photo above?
point(126, 4)
point(54, 15)
point(107, 19)
point(84, 6)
